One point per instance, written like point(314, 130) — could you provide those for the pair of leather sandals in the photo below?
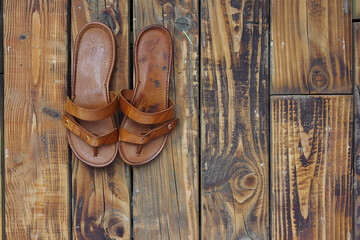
point(149, 114)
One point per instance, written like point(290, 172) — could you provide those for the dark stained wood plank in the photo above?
point(101, 196)
point(311, 46)
point(165, 191)
point(234, 120)
point(311, 167)
point(36, 152)
point(357, 162)
point(357, 130)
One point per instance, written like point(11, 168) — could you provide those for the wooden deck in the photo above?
point(268, 144)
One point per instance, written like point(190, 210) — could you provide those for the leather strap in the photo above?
point(93, 114)
point(129, 110)
point(90, 138)
point(141, 139)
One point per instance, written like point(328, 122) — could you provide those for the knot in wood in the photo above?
point(319, 79)
point(247, 182)
point(183, 23)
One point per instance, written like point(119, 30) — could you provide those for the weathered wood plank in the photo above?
point(356, 9)
point(1, 116)
point(1, 38)
point(165, 200)
point(357, 162)
point(311, 47)
point(357, 130)
point(101, 196)
point(311, 167)
point(2, 154)
point(234, 120)
point(36, 152)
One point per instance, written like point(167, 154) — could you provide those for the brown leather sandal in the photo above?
point(149, 114)
point(92, 132)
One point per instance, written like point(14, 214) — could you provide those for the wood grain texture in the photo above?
point(101, 196)
point(356, 9)
point(311, 46)
point(1, 38)
point(234, 120)
point(357, 162)
point(2, 154)
point(2, 160)
point(356, 32)
point(357, 130)
point(36, 152)
point(165, 191)
point(311, 167)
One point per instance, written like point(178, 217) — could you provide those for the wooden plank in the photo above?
point(36, 152)
point(165, 191)
point(356, 9)
point(311, 167)
point(1, 38)
point(2, 155)
point(2, 223)
point(234, 120)
point(311, 47)
point(357, 130)
point(1, 118)
point(357, 162)
point(101, 196)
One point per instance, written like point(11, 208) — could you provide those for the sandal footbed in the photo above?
point(94, 62)
point(153, 56)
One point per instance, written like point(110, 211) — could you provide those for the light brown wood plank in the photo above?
point(101, 196)
point(356, 9)
point(1, 39)
point(1, 116)
point(234, 120)
point(311, 167)
point(357, 130)
point(36, 152)
point(311, 46)
point(165, 191)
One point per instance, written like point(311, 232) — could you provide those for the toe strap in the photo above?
point(93, 114)
point(90, 138)
point(135, 114)
point(144, 138)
